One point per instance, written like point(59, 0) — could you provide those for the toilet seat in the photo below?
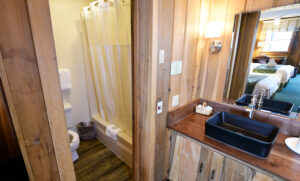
point(74, 144)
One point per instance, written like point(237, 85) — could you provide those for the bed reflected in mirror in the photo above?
point(265, 60)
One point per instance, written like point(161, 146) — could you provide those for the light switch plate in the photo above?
point(175, 100)
point(161, 56)
point(176, 67)
point(159, 107)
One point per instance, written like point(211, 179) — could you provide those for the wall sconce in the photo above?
point(213, 30)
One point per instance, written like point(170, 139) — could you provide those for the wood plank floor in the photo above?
point(96, 163)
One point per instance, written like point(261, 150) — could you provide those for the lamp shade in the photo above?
point(213, 29)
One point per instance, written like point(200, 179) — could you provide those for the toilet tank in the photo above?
point(68, 114)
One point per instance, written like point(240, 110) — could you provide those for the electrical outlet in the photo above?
point(161, 56)
point(175, 100)
point(159, 107)
point(176, 67)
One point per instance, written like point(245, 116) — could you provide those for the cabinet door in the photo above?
point(185, 160)
point(216, 167)
point(204, 164)
point(175, 160)
point(190, 155)
point(235, 171)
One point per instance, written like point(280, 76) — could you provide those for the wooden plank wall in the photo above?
point(41, 28)
point(165, 29)
point(30, 78)
point(204, 74)
point(178, 27)
point(145, 42)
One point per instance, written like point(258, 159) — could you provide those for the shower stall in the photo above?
point(106, 38)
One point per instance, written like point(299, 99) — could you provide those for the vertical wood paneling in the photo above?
point(179, 27)
point(204, 74)
point(212, 74)
point(202, 52)
point(233, 7)
point(145, 42)
point(40, 21)
point(165, 28)
point(214, 61)
point(189, 51)
point(20, 61)
point(14, 117)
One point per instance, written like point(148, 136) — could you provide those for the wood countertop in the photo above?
point(281, 162)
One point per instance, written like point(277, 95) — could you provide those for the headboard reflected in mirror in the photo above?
point(265, 60)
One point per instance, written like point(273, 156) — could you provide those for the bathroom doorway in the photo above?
point(93, 48)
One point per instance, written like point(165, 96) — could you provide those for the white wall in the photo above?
point(65, 15)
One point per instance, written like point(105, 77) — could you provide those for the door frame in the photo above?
point(145, 44)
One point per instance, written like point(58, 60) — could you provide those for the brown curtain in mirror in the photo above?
point(245, 46)
point(294, 58)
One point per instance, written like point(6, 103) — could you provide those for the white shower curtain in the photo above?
point(108, 37)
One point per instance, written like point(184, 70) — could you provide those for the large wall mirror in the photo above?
point(265, 60)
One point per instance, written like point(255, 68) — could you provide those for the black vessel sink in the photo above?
point(249, 135)
point(268, 104)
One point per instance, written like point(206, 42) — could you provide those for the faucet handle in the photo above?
point(263, 93)
point(254, 98)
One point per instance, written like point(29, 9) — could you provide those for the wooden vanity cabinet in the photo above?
point(193, 161)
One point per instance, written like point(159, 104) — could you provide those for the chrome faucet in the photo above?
point(252, 106)
point(261, 99)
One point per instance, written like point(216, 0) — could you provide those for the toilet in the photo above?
point(73, 136)
point(74, 144)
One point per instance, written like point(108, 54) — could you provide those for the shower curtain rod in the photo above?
point(96, 4)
